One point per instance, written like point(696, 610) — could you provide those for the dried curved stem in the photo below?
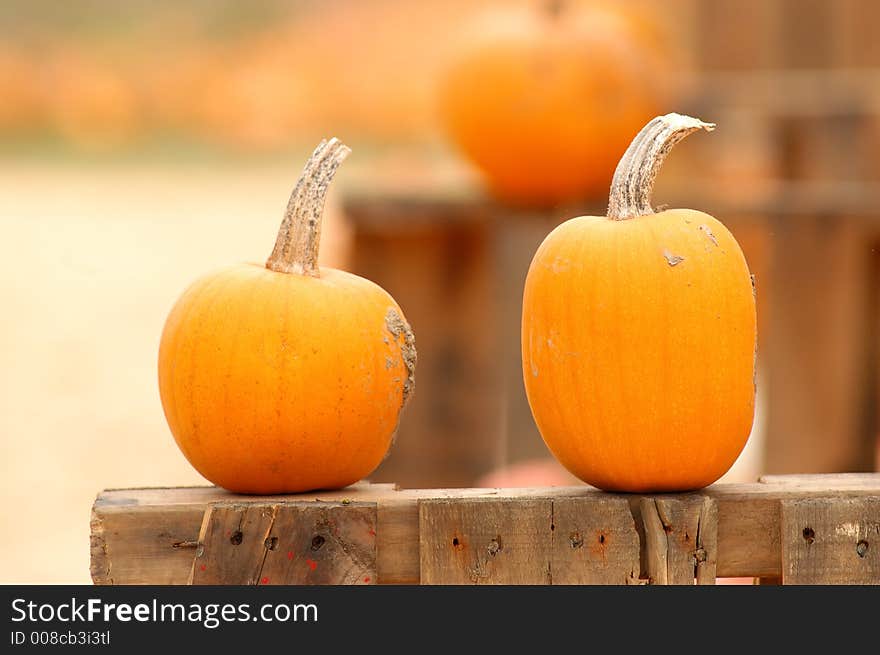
point(296, 248)
point(634, 177)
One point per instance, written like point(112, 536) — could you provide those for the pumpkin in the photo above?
point(287, 377)
point(639, 336)
point(543, 101)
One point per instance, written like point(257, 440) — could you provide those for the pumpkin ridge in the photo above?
point(197, 337)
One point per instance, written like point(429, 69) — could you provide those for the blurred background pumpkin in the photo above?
point(544, 98)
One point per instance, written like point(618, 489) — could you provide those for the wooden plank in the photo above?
point(203, 495)
point(725, 43)
point(831, 541)
point(835, 148)
point(816, 409)
point(748, 536)
point(595, 541)
point(148, 536)
point(287, 543)
point(323, 543)
point(485, 541)
point(706, 553)
point(856, 43)
point(513, 247)
point(874, 353)
point(748, 516)
point(233, 543)
point(804, 32)
point(845, 90)
point(813, 482)
point(144, 545)
point(448, 432)
point(416, 217)
point(681, 543)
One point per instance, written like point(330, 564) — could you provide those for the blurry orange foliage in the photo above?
point(342, 66)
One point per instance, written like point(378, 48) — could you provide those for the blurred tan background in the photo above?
point(143, 144)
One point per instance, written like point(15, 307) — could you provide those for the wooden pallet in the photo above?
point(806, 529)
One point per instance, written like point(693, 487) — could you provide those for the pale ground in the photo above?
point(93, 257)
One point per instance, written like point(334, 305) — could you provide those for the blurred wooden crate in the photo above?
point(779, 34)
point(457, 267)
point(793, 529)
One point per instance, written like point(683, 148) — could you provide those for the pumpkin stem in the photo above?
point(634, 177)
point(296, 248)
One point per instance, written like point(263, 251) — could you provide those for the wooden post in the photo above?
point(681, 542)
point(721, 48)
point(433, 257)
point(856, 45)
point(818, 337)
point(515, 237)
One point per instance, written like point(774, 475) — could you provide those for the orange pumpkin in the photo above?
point(287, 377)
point(544, 101)
point(639, 336)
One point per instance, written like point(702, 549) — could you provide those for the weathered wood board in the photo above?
point(286, 543)
point(681, 542)
point(485, 541)
point(831, 541)
point(595, 541)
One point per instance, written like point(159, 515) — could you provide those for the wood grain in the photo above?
point(485, 541)
point(831, 541)
point(323, 543)
point(681, 544)
point(287, 543)
point(595, 541)
point(232, 543)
